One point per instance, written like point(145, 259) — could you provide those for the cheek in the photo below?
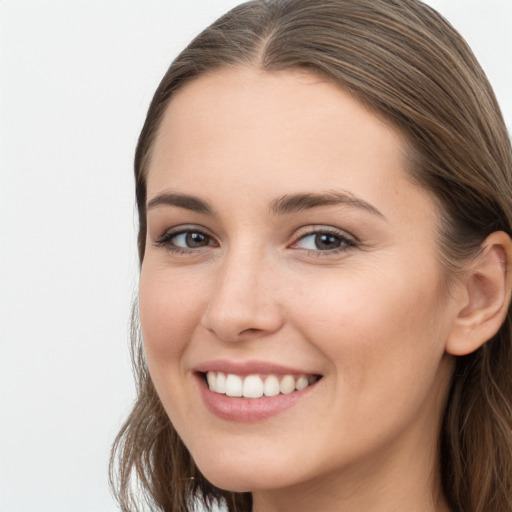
point(170, 310)
point(384, 340)
point(377, 325)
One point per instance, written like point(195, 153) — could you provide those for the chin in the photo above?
point(236, 482)
point(243, 476)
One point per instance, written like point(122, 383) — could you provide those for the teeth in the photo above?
point(233, 385)
point(271, 386)
point(287, 385)
point(256, 386)
point(211, 378)
point(220, 384)
point(253, 387)
point(302, 382)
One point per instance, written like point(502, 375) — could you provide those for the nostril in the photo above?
point(250, 331)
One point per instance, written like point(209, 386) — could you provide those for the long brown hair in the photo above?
point(405, 62)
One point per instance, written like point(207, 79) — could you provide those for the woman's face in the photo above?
point(286, 243)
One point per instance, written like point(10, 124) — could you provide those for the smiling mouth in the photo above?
point(257, 385)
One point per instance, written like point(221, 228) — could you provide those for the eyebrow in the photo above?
point(289, 203)
point(304, 201)
point(181, 201)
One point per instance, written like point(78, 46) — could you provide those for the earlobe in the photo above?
point(487, 286)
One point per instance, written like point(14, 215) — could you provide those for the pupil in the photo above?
point(327, 241)
point(196, 240)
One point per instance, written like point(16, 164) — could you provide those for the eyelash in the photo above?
point(346, 241)
point(166, 240)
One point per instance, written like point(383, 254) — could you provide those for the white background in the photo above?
point(75, 82)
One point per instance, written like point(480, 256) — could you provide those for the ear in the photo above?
point(486, 284)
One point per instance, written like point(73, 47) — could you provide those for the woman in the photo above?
point(324, 196)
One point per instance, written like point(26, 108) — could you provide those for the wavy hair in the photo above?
point(405, 62)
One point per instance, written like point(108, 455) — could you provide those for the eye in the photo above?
point(190, 240)
point(325, 241)
point(184, 240)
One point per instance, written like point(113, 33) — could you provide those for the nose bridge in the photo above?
point(242, 303)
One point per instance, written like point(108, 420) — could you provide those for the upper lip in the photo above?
point(248, 368)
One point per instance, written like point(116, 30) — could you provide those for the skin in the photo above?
point(373, 318)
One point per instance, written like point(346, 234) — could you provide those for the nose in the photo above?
point(243, 302)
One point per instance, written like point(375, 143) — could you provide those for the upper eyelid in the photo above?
point(322, 228)
point(184, 228)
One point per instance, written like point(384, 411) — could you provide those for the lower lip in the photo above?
point(248, 410)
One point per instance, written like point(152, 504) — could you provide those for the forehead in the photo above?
point(272, 110)
point(241, 129)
